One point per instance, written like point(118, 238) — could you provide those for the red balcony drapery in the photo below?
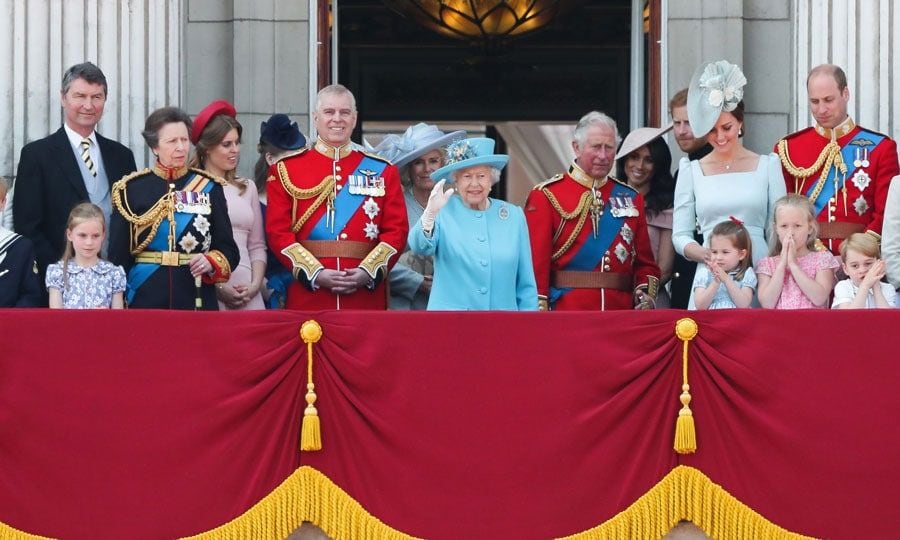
point(443, 425)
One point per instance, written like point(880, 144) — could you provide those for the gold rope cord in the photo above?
point(164, 207)
point(580, 211)
point(322, 192)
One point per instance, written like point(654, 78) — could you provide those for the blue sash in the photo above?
point(346, 204)
point(140, 272)
point(592, 250)
point(848, 152)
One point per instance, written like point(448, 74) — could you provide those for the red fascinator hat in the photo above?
point(217, 107)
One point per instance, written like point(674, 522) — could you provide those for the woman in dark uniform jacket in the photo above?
point(170, 228)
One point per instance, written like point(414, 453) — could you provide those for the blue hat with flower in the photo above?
point(469, 153)
point(280, 132)
point(416, 141)
point(715, 87)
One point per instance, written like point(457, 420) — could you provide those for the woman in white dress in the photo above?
point(730, 181)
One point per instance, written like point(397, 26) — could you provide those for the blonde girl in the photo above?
point(727, 280)
point(82, 280)
point(795, 275)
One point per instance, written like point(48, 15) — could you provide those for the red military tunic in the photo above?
point(301, 189)
point(560, 222)
point(859, 207)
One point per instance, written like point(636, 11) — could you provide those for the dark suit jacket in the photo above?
point(49, 183)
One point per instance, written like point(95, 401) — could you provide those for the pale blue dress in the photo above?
point(708, 200)
point(482, 259)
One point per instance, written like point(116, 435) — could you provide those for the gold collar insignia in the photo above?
point(333, 152)
point(169, 173)
point(583, 178)
point(835, 133)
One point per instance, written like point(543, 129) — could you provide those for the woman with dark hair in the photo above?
point(644, 161)
point(730, 181)
point(217, 140)
point(170, 229)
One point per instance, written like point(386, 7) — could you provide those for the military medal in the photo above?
point(621, 253)
point(192, 202)
point(861, 180)
point(860, 205)
point(370, 207)
point(627, 233)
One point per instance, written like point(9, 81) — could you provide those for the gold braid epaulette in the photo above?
point(581, 212)
point(322, 192)
point(152, 217)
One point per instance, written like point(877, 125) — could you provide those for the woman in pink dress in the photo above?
point(216, 136)
point(645, 163)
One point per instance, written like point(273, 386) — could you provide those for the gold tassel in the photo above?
point(685, 434)
point(310, 429)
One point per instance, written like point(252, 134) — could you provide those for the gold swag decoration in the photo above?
point(685, 433)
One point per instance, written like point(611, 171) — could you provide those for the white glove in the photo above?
point(437, 200)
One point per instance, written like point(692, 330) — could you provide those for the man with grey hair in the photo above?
point(73, 165)
point(336, 215)
point(589, 241)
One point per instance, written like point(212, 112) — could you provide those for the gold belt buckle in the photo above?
point(169, 258)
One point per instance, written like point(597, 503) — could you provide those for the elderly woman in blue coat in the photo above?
point(482, 257)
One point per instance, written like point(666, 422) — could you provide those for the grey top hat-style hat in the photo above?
point(715, 87)
point(417, 140)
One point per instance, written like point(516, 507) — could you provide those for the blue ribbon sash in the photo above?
point(140, 272)
point(592, 250)
point(346, 204)
point(848, 152)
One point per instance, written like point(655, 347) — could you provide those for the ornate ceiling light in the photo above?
point(481, 20)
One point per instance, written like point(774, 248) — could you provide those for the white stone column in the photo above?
point(857, 35)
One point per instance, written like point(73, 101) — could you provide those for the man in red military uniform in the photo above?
point(843, 168)
point(336, 215)
point(589, 241)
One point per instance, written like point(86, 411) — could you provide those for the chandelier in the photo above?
point(481, 20)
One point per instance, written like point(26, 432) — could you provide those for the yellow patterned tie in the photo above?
point(86, 156)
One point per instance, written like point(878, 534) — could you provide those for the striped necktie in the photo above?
point(86, 156)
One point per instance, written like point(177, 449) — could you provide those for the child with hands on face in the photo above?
point(863, 288)
point(795, 275)
point(727, 280)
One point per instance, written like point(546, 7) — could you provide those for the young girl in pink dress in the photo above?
point(795, 275)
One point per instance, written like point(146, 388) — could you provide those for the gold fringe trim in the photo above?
point(687, 494)
point(11, 533)
point(306, 495)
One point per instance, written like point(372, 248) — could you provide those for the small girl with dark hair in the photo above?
point(82, 280)
point(727, 280)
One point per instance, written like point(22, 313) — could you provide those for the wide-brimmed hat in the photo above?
point(640, 137)
point(469, 153)
point(416, 141)
point(715, 87)
point(281, 133)
point(217, 107)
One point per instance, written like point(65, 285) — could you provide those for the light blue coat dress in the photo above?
point(482, 259)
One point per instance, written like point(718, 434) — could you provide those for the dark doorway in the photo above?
point(401, 71)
